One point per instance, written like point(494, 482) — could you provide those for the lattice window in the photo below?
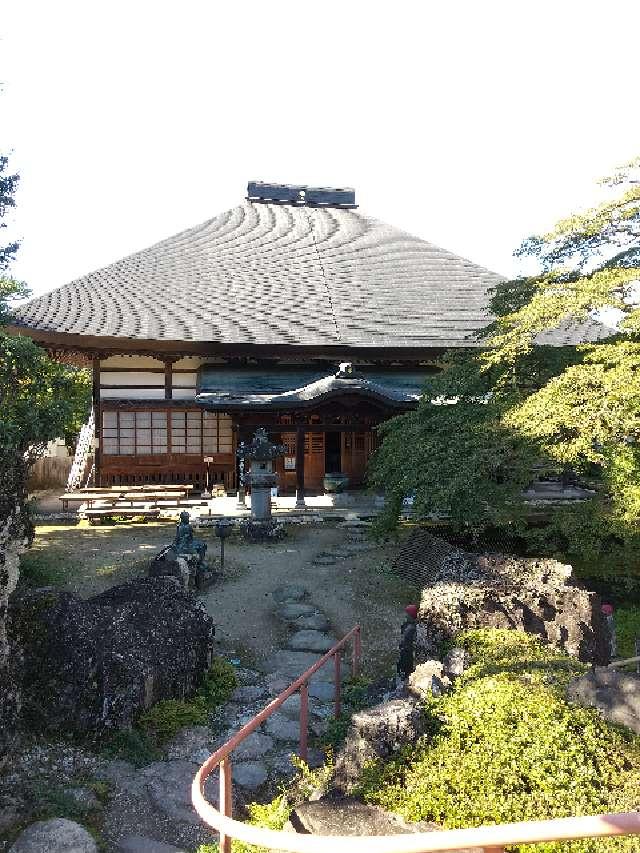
point(201, 433)
point(136, 433)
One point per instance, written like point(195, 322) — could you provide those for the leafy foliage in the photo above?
point(505, 746)
point(271, 815)
point(519, 408)
point(40, 399)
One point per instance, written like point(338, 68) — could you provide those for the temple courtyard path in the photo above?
point(345, 573)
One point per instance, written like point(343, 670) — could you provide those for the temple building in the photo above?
point(293, 311)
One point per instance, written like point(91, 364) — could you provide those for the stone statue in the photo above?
point(185, 543)
point(408, 631)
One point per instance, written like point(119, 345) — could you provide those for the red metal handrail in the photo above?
point(491, 838)
point(221, 756)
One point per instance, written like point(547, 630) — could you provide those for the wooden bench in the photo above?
point(83, 497)
point(97, 516)
point(132, 495)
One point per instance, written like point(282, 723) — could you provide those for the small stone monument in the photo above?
point(261, 477)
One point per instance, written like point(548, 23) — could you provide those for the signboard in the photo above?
point(208, 458)
point(289, 463)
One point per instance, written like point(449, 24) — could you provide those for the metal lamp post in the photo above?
point(223, 529)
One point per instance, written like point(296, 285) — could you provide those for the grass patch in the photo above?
point(165, 719)
point(51, 568)
point(505, 746)
point(134, 746)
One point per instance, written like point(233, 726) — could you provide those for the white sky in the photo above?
point(471, 124)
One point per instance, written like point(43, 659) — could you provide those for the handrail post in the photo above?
point(304, 721)
point(337, 662)
point(357, 651)
point(225, 800)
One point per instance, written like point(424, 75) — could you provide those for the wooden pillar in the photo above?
point(168, 378)
point(95, 399)
point(300, 467)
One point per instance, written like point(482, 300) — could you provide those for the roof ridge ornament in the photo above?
point(301, 195)
point(346, 370)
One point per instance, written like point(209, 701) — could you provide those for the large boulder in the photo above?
point(92, 665)
point(462, 590)
point(376, 733)
point(55, 836)
point(348, 816)
point(615, 694)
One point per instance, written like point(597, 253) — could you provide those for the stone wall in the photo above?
point(462, 590)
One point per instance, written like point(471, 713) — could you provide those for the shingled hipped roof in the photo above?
point(269, 274)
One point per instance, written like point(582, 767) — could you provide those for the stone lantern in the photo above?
point(261, 453)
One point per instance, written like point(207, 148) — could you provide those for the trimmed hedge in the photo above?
point(505, 746)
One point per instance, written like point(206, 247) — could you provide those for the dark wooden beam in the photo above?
point(168, 379)
point(97, 415)
point(300, 467)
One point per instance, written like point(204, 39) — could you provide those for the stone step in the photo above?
point(351, 817)
point(311, 641)
point(314, 622)
point(289, 664)
point(289, 593)
point(249, 774)
point(293, 610)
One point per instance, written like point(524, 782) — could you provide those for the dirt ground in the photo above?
point(359, 589)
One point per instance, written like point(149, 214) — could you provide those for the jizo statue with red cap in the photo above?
point(408, 632)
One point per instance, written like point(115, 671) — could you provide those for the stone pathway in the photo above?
point(160, 795)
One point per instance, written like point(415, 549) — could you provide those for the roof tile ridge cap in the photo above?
point(401, 232)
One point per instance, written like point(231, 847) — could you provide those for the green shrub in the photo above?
point(165, 719)
point(219, 683)
point(272, 815)
point(627, 622)
point(354, 698)
point(505, 746)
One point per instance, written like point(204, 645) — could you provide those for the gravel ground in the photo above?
point(348, 588)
